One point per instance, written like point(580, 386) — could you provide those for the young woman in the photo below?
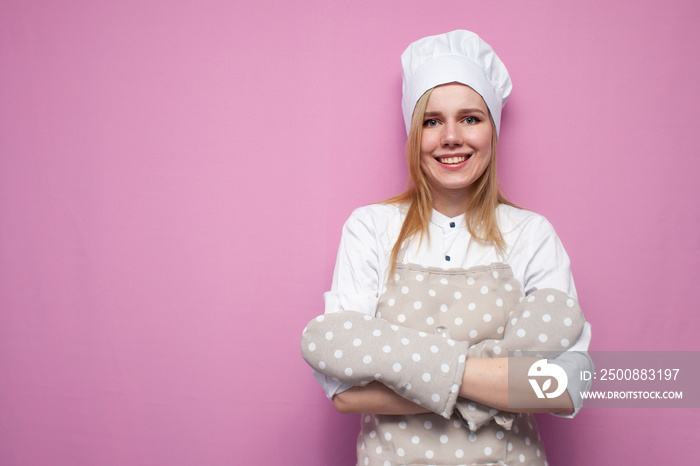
point(434, 287)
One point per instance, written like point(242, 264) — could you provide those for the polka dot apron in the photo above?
point(470, 304)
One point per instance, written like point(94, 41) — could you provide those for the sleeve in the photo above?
point(548, 266)
point(357, 278)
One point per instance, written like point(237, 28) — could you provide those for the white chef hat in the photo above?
point(458, 56)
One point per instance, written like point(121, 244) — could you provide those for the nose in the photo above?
point(451, 136)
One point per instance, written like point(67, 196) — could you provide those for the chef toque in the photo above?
point(457, 56)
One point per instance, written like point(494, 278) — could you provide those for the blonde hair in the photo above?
point(480, 213)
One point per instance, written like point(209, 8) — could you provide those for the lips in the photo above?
point(453, 159)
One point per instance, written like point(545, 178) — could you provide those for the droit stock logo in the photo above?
point(544, 371)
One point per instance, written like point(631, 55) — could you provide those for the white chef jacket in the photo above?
point(533, 251)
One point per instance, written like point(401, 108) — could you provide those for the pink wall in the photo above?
point(174, 176)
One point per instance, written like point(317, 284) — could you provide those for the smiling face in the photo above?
point(455, 147)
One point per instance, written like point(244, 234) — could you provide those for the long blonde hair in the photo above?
point(481, 212)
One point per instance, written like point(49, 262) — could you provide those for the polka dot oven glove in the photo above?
point(356, 349)
point(547, 320)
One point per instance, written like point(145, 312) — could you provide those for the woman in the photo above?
point(433, 287)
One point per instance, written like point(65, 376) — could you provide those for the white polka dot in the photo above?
point(457, 423)
point(376, 332)
point(499, 435)
point(405, 341)
point(510, 446)
point(493, 412)
point(402, 425)
point(499, 302)
point(431, 292)
point(430, 321)
point(329, 335)
point(322, 364)
point(546, 318)
point(400, 452)
point(367, 318)
point(470, 281)
point(484, 289)
point(487, 317)
point(429, 454)
point(348, 371)
point(499, 330)
point(373, 434)
point(473, 334)
point(527, 441)
point(367, 419)
point(387, 463)
point(401, 318)
point(356, 342)
point(567, 322)
point(521, 332)
point(426, 377)
point(419, 277)
point(487, 451)
point(459, 453)
point(472, 437)
point(458, 295)
point(550, 298)
point(443, 439)
point(320, 318)
point(379, 314)
point(530, 299)
point(450, 342)
point(378, 449)
point(443, 281)
point(445, 368)
point(459, 321)
point(367, 359)
point(415, 357)
point(462, 358)
point(538, 453)
point(397, 277)
point(312, 346)
point(422, 334)
point(495, 274)
point(513, 321)
point(404, 289)
point(516, 429)
point(471, 306)
point(428, 425)
point(394, 327)
point(564, 342)
point(496, 350)
point(434, 349)
point(366, 461)
point(526, 314)
point(417, 305)
point(415, 440)
point(338, 354)
point(508, 287)
point(521, 457)
point(407, 386)
point(386, 349)
point(396, 367)
point(347, 325)
point(570, 302)
point(471, 406)
point(391, 301)
point(443, 307)
point(542, 337)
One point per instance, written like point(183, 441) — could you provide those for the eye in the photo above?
point(430, 123)
point(470, 120)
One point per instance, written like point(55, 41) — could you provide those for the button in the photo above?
point(452, 224)
point(447, 258)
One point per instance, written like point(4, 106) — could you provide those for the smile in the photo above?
point(453, 159)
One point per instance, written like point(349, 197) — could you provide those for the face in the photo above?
point(455, 142)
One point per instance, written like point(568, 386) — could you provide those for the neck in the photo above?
point(451, 203)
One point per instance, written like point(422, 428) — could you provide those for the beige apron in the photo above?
point(472, 305)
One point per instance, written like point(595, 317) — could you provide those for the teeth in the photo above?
point(450, 160)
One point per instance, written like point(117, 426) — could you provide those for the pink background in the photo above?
point(174, 176)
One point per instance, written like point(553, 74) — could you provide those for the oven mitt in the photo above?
point(357, 349)
point(547, 320)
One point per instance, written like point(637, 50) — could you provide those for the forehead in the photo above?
point(455, 96)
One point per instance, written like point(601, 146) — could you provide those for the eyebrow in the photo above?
point(461, 111)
